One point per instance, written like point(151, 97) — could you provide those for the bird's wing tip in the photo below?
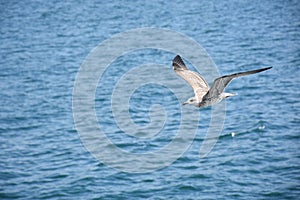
point(178, 63)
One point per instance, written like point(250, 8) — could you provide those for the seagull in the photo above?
point(205, 96)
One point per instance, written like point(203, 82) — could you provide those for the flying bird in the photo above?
point(205, 96)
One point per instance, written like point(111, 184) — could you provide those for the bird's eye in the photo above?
point(192, 100)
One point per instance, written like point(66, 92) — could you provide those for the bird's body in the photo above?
point(205, 96)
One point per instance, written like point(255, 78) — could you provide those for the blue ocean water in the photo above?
point(44, 43)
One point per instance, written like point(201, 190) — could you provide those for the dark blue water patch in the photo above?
point(151, 94)
point(139, 106)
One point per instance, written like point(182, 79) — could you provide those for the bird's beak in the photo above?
point(184, 103)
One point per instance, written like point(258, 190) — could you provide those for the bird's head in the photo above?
point(193, 101)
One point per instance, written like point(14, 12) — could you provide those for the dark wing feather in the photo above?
point(221, 82)
point(198, 84)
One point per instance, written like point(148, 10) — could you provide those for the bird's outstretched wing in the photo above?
point(198, 84)
point(221, 82)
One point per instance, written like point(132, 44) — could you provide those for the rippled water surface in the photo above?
point(43, 44)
